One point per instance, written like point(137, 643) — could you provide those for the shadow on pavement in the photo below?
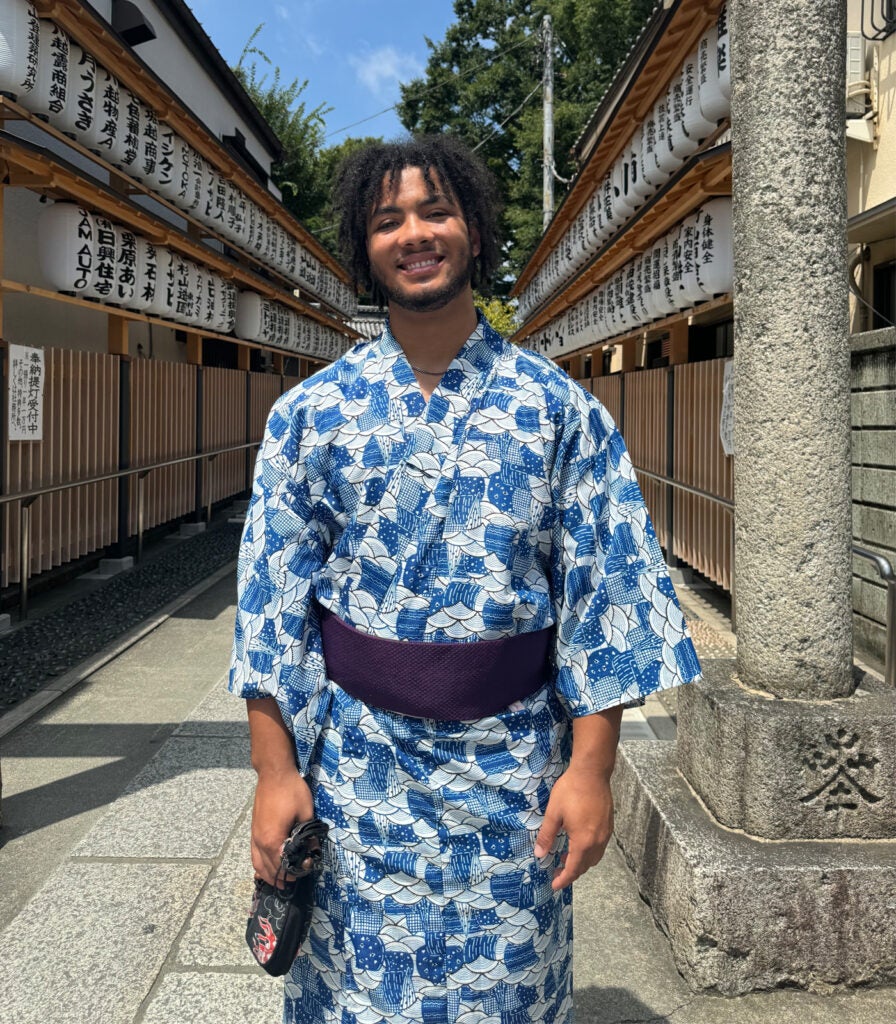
point(594, 1005)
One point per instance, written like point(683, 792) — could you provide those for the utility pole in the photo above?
point(547, 201)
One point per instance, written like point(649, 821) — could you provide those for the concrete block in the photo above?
point(744, 915)
point(873, 409)
point(182, 804)
point(870, 637)
point(874, 526)
point(869, 599)
point(874, 486)
point(789, 769)
point(5, 623)
point(220, 713)
point(873, 341)
point(97, 935)
point(874, 370)
point(110, 567)
point(191, 529)
point(873, 448)
point(236, 998)
point(215, 935)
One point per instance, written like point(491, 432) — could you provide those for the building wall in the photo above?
point(874, 479)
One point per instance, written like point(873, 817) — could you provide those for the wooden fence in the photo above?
point(162, 418)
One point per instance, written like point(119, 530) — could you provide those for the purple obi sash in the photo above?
point(458, 681)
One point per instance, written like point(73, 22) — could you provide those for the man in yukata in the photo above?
point(448, 588)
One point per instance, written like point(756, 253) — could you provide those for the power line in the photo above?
point(508, 118)
point(439, 85)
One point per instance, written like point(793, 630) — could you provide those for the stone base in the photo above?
point(110, 567)
point(790, 769)
point(191, 529)
point(5, 623)
point(744, 915)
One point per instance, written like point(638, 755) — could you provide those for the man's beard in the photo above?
point(428, 302)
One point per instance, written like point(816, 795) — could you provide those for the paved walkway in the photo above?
point(125, 871)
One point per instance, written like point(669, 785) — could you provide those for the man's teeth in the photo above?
point(421, 263)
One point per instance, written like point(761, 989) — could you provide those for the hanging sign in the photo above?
point(726, 420)
point(26, 393)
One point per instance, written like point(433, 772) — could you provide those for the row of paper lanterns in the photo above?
point(90, 256)
point(51, 75)
point(697, 98)
point(690, 264)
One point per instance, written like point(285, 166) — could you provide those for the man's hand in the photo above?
point(282, 796)
point(280, 801)
point(581, 803)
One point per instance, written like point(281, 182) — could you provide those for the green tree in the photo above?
point(500, 314)
point(482, 83)
point(301, 131)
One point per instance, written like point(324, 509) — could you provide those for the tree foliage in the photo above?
point(479, 76)
point(301, 131)
point(500, 314)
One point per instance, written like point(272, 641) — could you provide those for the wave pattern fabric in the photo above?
point(504, 505)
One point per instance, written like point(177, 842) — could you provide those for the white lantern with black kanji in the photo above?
point(147, 275)
point(83, 96)
point(169, 168)
point(715, 249)
point(66, 244)
point(680, 141)
point(249, 316)
point(229, 298)
point(624, 204)
point(99, 138)
point(191, 194)
point(147, 168)
point(723, 53)
point(125, 267)
point(19, 48)
point(714, 104)
point(667, 160)
point(49, 94)
point(103, 284)
point(650, 170)
point(695, 124)
point(126, 146)
point(162, 303)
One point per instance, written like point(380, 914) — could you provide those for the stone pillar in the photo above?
point(753, 883)
point(793, 526)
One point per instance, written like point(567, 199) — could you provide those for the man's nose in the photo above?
point(415, 231)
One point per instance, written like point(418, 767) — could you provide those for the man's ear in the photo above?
point(475, 240)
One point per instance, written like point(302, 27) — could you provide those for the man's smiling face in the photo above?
point(420, 249)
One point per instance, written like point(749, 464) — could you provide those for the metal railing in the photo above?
point(27, 498)
point(889, 577)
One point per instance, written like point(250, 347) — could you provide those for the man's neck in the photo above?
point(432, 340)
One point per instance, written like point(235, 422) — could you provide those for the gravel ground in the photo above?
point(52, 644)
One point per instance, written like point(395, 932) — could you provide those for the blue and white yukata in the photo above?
point(505, 504)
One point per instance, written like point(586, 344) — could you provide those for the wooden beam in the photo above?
point(678, 342)
point(118, 335)
point(194, 348)
point(243, 358)
point(278, 362)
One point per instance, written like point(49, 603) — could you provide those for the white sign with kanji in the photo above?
point(26, 393)
point(726, 421)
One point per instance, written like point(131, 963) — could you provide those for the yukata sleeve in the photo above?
point(620, 631)
point(276, 646)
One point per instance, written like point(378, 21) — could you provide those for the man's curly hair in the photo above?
point(364, 175)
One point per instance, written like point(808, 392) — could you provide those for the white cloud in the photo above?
point(381, 70)
point(282, 12)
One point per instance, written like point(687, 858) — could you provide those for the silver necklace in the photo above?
point(429, 373)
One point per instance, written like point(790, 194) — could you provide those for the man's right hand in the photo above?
point(281, 799)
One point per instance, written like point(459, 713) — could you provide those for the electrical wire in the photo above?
point(439, 85)
point(508, 118)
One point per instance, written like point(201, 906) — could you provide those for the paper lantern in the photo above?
point(125, 267)
point(66, 244)
point(100, 136)
point(650, 170)
point(292, 257)
point(715, 250)
point(148, 154)
point(695, 124)
point(236, 226)
point(49, 94)
point(84, 95)
point(170, 165)
point(642, 187)
point(680, 142)
point(229, 297)
point(714, 104)
point(250, 316)
point(690, 286)
point(723, 53)
point(147, 275)
point(626, 201)
point(19, 48)
point(191, 191)
point(126, 146)
point(652, 277)
point(666, 298)
point(103, 284)
point(666, 160)
point(162, 302)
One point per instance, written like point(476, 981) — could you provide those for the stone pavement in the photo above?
point(125, 871)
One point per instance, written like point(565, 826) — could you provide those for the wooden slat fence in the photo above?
point(702, 528)
point(646, 402)
point(608, 391)
point(163, 426)
point(264, 390)
point(80, 440)
point(224, 423)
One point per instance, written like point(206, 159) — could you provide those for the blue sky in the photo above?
point(354, 53)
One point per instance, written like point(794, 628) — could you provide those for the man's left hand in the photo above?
point(581, 805)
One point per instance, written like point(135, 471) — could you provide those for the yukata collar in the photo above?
point(477, 355)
